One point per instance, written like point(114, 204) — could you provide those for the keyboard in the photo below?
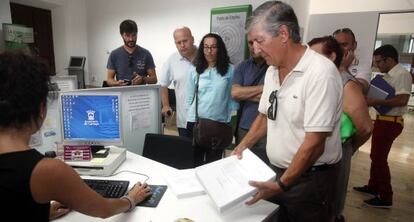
point(108, 188)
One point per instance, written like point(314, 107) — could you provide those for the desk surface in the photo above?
point(198, 208)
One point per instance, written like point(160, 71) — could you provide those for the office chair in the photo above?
point(174, 151)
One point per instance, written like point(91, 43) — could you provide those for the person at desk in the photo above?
point(300, 111)
point(28, 180)
point(130, 64)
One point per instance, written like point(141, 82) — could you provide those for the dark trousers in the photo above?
point(310, 198)
point(383, 135)
point(184, 132)
point(259, 148)
point(203, 155)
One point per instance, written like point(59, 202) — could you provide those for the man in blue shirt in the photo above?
point(130, 64)
point(247, 89)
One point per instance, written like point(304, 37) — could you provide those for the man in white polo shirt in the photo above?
point(175, 71)
point(299, 110)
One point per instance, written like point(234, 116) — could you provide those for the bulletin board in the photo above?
point(141, 114)
point(229, 23)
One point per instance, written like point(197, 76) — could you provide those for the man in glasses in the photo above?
point(130, 64)
point(300, 110)
point(387, 126)
point(350, 62)
point(247, 88)
point(176, 71)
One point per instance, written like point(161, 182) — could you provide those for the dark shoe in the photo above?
point(339, 218)
point(378, 203)
point(366, 189)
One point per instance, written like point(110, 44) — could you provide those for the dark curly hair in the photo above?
point(128, 26)
point(24, 87)
point(223, 60)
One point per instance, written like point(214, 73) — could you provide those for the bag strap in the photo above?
point(196, 97)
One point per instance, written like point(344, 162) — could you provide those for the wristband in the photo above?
point(281, 185)
point(131, 202)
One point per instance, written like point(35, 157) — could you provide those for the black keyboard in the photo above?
point(108, 188)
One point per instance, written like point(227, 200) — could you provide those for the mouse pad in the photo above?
point(153, 200)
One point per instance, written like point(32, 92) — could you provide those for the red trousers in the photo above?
point(383, 136)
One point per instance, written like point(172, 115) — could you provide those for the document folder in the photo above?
point(381, 89)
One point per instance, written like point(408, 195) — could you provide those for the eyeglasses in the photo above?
point(130, 61)
point(272, 111)
point(212, 47)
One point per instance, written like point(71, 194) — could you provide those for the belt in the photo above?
point(320, 168)
point(310, 169)
point(394, 119)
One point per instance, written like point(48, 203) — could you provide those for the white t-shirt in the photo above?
point(309, 100)
point(360, 69)
point(400, 79)
point(176, 70)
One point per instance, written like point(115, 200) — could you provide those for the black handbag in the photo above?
point(210, 133)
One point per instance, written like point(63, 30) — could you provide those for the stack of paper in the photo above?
point(184, 183)
point(226, 180)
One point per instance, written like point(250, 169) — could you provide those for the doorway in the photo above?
point(41, 22)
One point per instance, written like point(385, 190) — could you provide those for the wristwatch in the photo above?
point(282, 186)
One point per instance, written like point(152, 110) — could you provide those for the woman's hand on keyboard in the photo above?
point(139, 192)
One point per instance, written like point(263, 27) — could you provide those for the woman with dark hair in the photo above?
point(28, 180)
point(211, 77)
point(355, 108)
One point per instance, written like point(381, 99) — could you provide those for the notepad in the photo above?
point(184, 183)
point(226, 180)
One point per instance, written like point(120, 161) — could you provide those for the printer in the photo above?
point(100, 166)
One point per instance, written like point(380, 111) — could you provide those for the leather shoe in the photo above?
point(366, 189)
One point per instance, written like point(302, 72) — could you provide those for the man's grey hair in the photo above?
point(273, 14)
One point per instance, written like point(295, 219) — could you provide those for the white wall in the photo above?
point(69, 33)
point(5, 17)
point(338, 6)
point(156, 22)
point(396, 24)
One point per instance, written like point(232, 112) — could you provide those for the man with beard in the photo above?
point(130, 64)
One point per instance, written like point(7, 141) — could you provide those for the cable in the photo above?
point(129, 171)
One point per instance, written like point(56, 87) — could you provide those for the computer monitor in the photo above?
point(91, 118)
point(76, 62)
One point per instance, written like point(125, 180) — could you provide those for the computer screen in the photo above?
point(91, 118)
point(77, 62)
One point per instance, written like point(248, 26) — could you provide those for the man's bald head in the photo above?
point(184, 41)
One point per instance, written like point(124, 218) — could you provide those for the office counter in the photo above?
point(198, 208)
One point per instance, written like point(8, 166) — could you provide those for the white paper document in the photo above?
point(376, 93)
point(184, 183)
point(226, 180)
